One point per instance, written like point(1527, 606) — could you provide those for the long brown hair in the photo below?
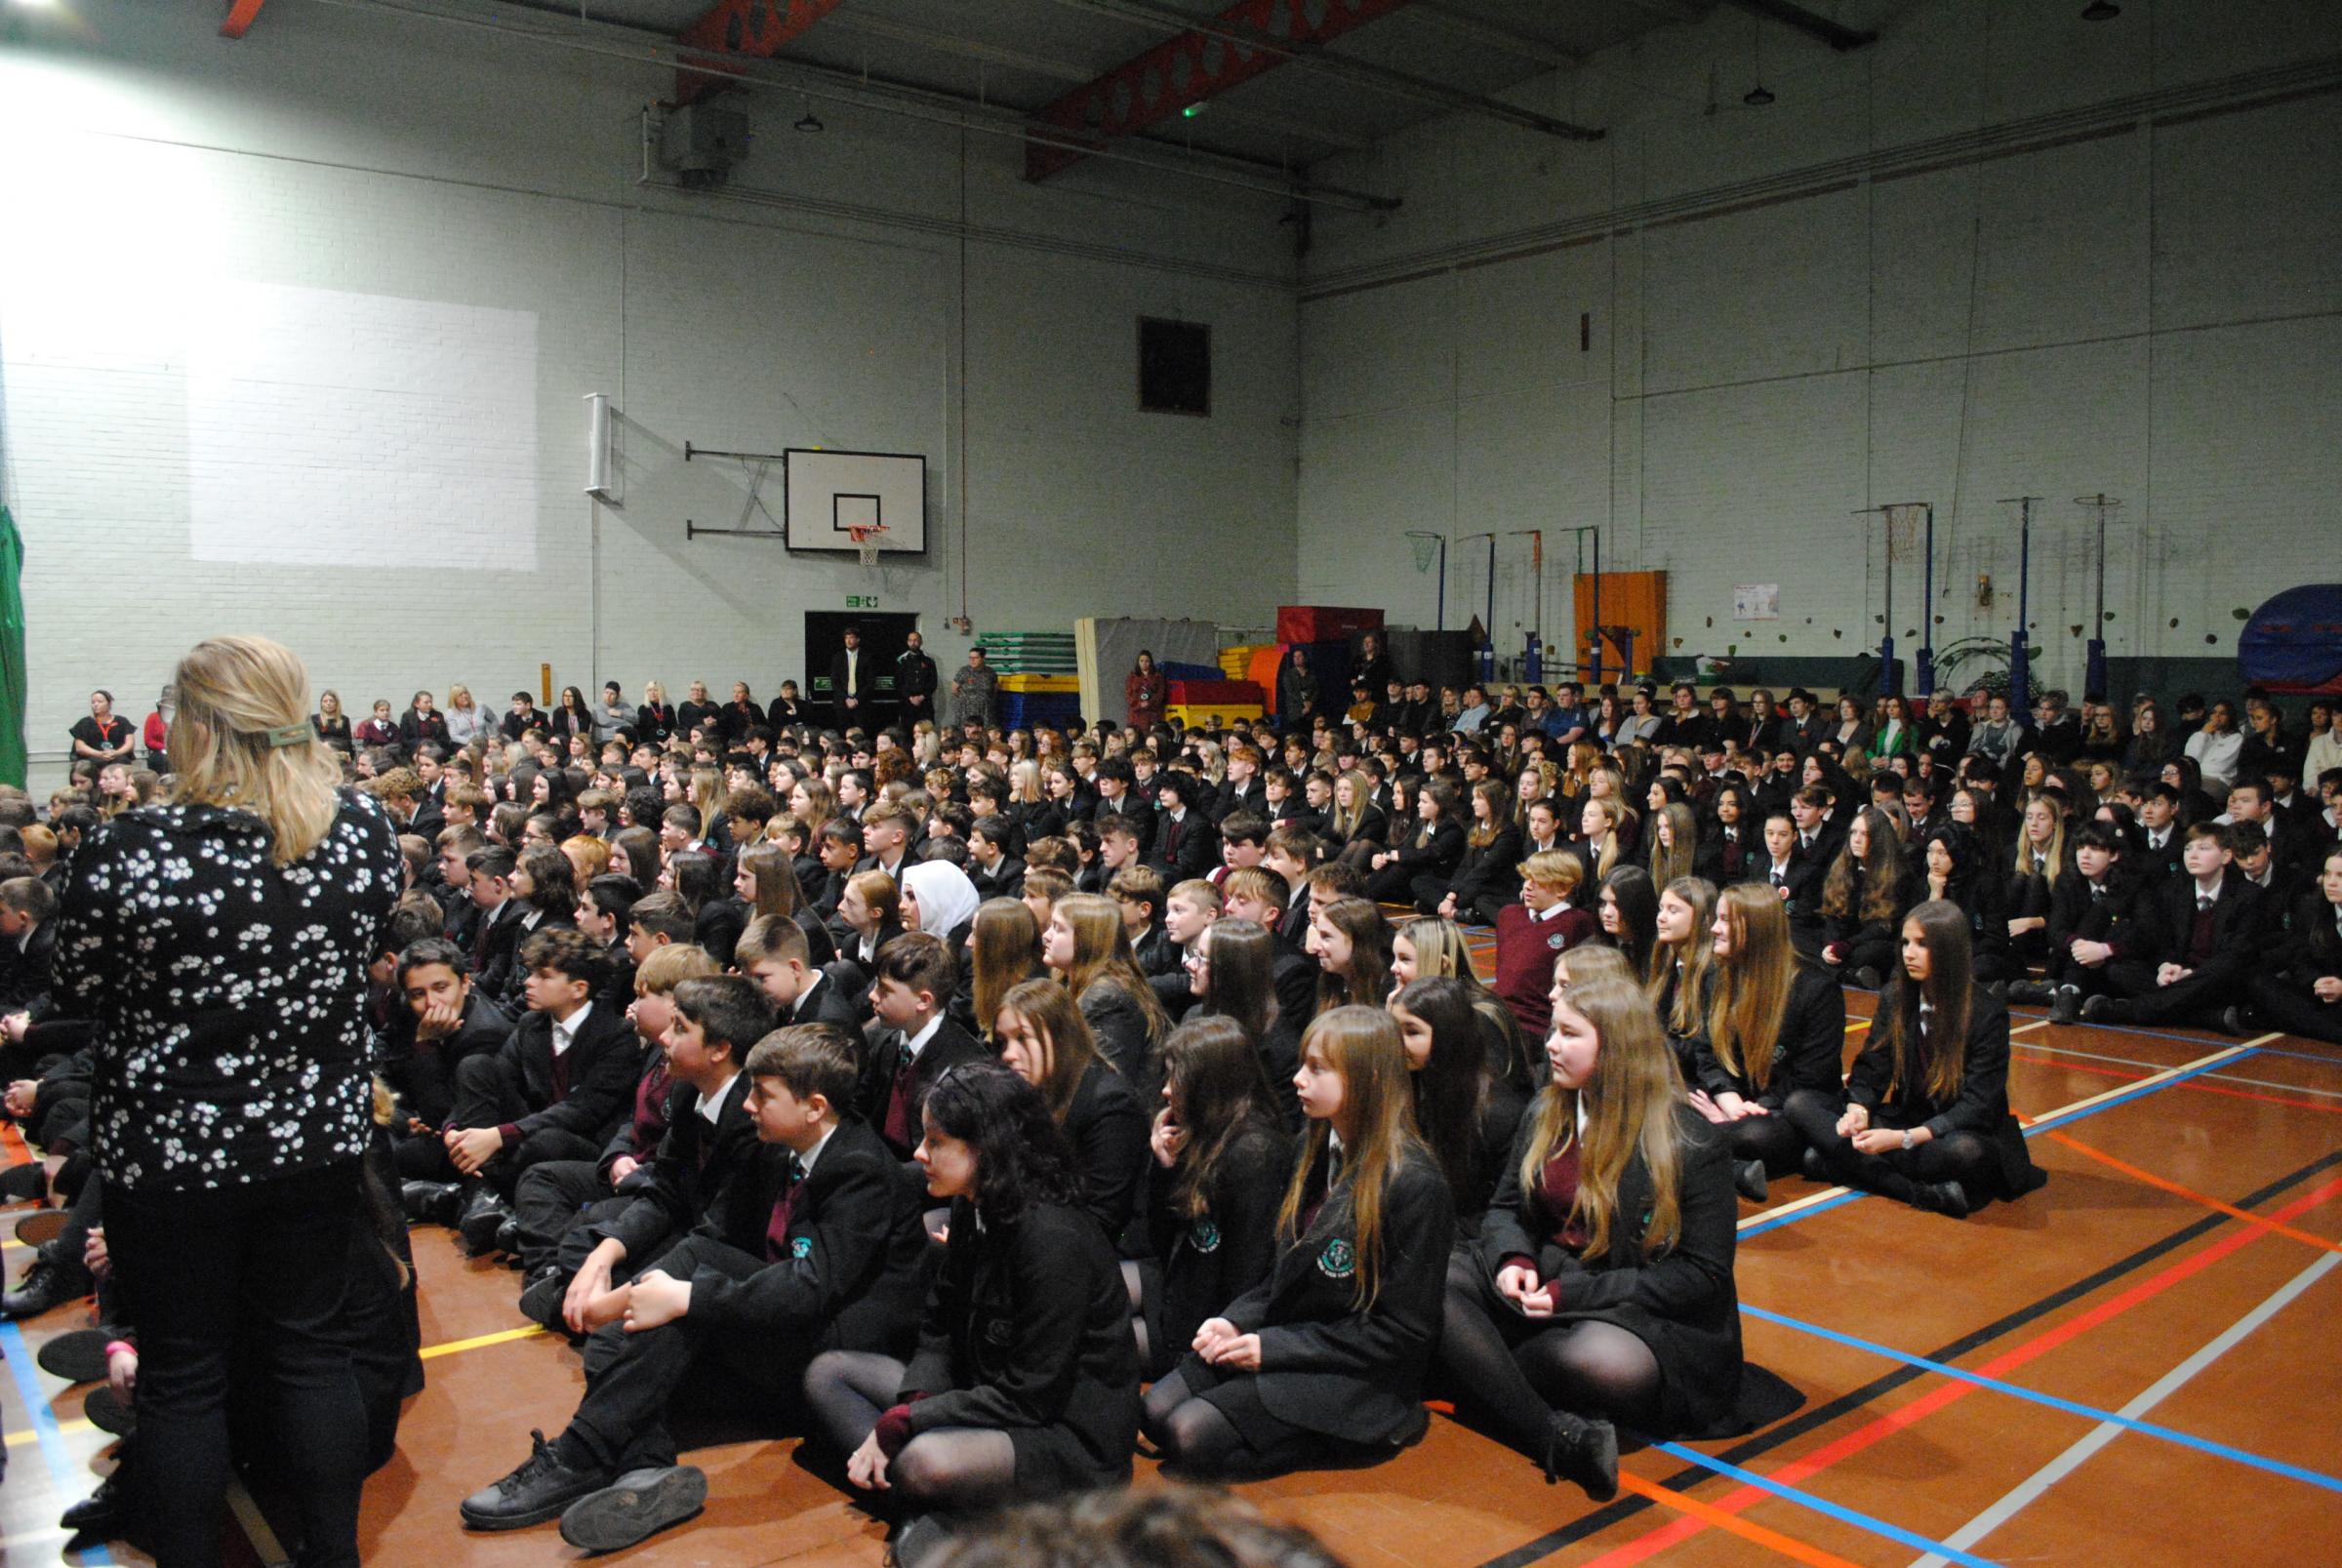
point(1213, 1073)
point(1934, 1062)
point(1367, 983)
point(1378, 1101)
point(1630, 1105)
point(1048, 1008)
point(1004, 950)
point(777, 889)
point(1752, 986)
point(1670, 861)
point(1688, 966)
point(1102, 955)
point(1880, 875)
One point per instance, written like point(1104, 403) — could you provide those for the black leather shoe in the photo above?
point(2106, 1010)
point(20, 1183)
point(431, 1202)
point(2034, 991)
point(1816, 1168)
point(1866, 979)
point(44, 1285)
point(483, 1216)
point(76, 1357)
point(1585, 1450)
point(1748, 1179)
point(108, 1414)
point(508, 1235)
point(2237, 1019)
point(541, 1488)
point(2066, 1006)
point(542, 1297)
point(97, 1515)
point(634, 1507)
point(1947, 1198)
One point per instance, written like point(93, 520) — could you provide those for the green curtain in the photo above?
point(11, 651)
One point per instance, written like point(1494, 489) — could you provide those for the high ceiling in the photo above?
point(1325, 76)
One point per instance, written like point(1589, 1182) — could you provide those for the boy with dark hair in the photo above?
point(2195, 939)
point(1186, 843)
point(495, 937)
point(557, 1088)
point(1139, 890)
point(2089, 917)
point(913, 982)
point(446, 1021)
point(996, 873)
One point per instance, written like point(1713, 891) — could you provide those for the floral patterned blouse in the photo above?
point(227, 994)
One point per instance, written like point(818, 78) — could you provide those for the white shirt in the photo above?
point(565, 1031)
point(806, 1159)
point(915, 1044)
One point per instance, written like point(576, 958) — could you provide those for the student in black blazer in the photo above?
point(2298, 988)
point(1433, 850)
point(1040, 1034)
point(446, 1021)
point(2197, 936)
point(996, 873)
point(812, 1245)
point(911, 984)
point(1794, 879)
point(1489, 870)
point(2091, 916)
point(495, 940)
point(1778, 1024)
point(1024, 1383)
point(1185, 842)
point(1326, 1357)
point(1604, 1292)
point(1924, 1115)
point(777, 955)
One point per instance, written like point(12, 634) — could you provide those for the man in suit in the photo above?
point(2196, 938)
point(914, 981)
point(812, 1245)
point(852, 682)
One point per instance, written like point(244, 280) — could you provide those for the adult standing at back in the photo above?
point(916, 680)
point(1146, 692)
point(851, 682)
point(219, 945)
point(974, 691)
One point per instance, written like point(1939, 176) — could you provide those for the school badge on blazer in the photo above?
point(801, 1248)
point(1557, 941)
point(1205, 1235)
point(1338, 1260)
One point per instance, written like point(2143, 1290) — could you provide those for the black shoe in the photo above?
point(2106, 1010)
point(483, 1216)
point(1748, 1179)
point(508, 1236)
point(108, 1414)
point(2066, 1006)
point(44, 1285)
point(97, 1515)
point(431, 1202)
point(19, 1182)
point(40, 1227)
point(636, 1506)
point(1866, 979)
point(1816, 1168)
point(1585, 1450)
point(2237, 1019)
point(78, 1356)
point(2033, 992)
point(539, 1489)
point(1996, 989)
point(1947, 1198)
point(542, 1298)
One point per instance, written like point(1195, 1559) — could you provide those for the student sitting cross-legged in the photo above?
point(811, 1246)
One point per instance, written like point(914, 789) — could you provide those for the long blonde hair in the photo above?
point(1687, 966)
point(237, 697)
point(1752, 985)
point(1629, 1104)
point(1101, 953)
point(1378, 1098)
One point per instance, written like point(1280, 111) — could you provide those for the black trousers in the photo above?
point(262, 1268)
point(632, 1381)
point(551, 1200)
point(2199, 998)
point(489, 1094)
point(2296, 1010)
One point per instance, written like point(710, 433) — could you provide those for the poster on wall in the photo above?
point(1756, 601)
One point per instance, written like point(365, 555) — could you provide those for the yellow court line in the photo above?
point(65, 1427)
point(501, 1337)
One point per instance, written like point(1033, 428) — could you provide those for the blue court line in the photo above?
point(2169, 1434)
point(1823, 1506)
point(44, 1424)
point(2304, 1056)
point(2041, 1126)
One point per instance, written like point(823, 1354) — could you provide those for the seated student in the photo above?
point(1187, 909)
point(1219, 1154)
point(872, 913)
point(1465, 1110)
point(911, 983)
point(544, 885)
point(1326, 1357)
point(446, 1021)
point(2195, 939)
point(1187, 844)
point(1682, 976)
point(764, 880)
point(1603, 1294)
point(1351, 941)
point(605, 913)
point(996, 872)
point(2041, 864)
point(1044, 886)
point(559, 1205)
point(2298, 987)
point(1087, 944)
point(1296, 857)
point(1040, 1034)
point(1732, 849)
point(1862, 899)
point(28, 915)
point(1257, 896)
point(1137, 892)
point(1796, 880)
point(557, 1088)
point(837, 845)
point(2090, 915)
point(1954, 868)
point(1024, 1383)
point(496, 935)
point(1776, 1024)
point(1923, 1117)
point(1546, 922)
point(1243, 842)
point(782, 965)
point(818, 1251)
point(1488, 871)
point(1432, 849)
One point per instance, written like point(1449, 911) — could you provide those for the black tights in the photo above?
point(949, 1469)
point(1770, 1139)
point(1511, 1373)
point(1899, 1174)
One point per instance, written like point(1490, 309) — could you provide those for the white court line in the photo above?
point(2031, 1489)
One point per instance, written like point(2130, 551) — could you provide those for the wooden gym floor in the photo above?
point(2133, 1365)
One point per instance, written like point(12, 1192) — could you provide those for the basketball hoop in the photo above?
point(1426, 548)
point(865, 542)
point(1903, 531)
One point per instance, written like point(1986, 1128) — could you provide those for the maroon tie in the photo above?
point(897, 1126)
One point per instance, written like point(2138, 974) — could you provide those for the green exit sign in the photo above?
point(861, 601)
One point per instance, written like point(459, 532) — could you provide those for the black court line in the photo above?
point(1795, 1426)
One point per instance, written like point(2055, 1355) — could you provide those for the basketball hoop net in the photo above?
point(1426, 548)
point(1903, 531)
point(865, 542)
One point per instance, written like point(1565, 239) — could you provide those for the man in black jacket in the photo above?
point(914, 681)
point(814, 1245)
point(852, 682)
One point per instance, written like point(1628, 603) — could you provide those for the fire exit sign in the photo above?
point(861, 601)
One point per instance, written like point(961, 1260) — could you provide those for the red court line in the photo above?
point(2308, 1237)
point(1879, 1429)
point(1748, 1530)
point(2193, 1085)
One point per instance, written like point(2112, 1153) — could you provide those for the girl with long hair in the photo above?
point(1464, 1112)
point(2032, 875)
point(1602, 835)
point(1352, 943)
point(1024, 1383)
point(1627, 910)
point(1086, 944)
point(1862, 899)
point(1325, 1358)
point(1776, 1024)
point(765, 882)
point(1923, 1117)
point(1004, 950)
point(1218, 1159)
point(1604, 1293)
point(1427, 854)
point(1674, 842)
point(1488, 870)
point(1232, 970)
point(1682, 960)
point(1040, 1034)
point(1426, 949)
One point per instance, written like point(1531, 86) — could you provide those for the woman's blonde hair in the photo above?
point(1629, 1104)
point(243, 740)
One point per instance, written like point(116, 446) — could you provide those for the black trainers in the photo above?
point(431, 1202)
point(1748, 1179)
point(19, 1182)
point(76, 1357)
point(483, 1216)
point(542, 1297)
point(636, 1506)
point(1947, 1198)
point(1816, 1168)
point(44, 1285)
point(2104, 1009)
point(2034, 991)
point(2237, 1019)
point(1584, 1451)
point(2066, 1006)
point(108, 1414)
point(1866, 979)
point(538, 1490)
point(98, 1515)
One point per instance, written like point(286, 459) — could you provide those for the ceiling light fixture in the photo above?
point(2101, 11)
point(1756, 96)
point(811, 124)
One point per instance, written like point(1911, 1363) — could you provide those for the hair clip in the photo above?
point(288, 735)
